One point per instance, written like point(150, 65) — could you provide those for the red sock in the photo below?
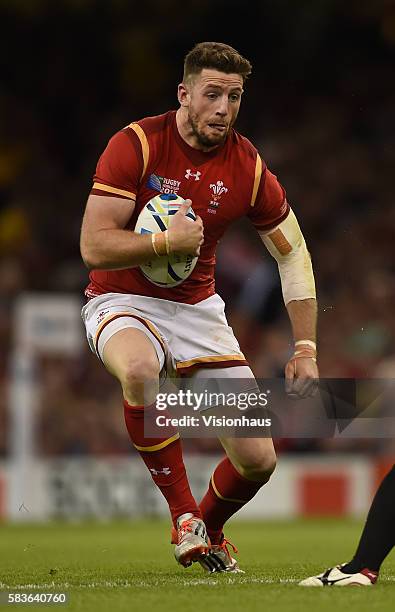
point(228, 492)
point(163, 458)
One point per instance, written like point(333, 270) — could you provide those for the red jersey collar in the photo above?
point(196, 156)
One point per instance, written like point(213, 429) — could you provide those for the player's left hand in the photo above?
point(301, 377)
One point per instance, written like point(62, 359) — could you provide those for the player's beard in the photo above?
point(205, 140)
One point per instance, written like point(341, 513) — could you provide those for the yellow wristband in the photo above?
point(167, 242)
point(159, 244)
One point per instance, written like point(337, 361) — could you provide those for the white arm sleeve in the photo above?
point(287, 245)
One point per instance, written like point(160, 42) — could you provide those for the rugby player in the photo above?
point(139, 330)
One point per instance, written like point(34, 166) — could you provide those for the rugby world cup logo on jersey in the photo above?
point(217, 191)
point(163, 184)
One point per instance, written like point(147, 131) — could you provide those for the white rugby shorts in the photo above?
point(185, 336)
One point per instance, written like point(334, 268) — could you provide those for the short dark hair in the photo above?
point(217, 56)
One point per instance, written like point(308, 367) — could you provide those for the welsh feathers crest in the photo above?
point(218, 189)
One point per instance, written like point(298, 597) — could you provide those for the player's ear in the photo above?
point(183, 94)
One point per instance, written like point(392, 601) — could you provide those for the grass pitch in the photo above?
point(130, 566)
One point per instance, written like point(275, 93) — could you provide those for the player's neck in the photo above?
point(187, 134)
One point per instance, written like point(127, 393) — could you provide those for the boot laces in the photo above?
point(224, 545)
point(184, 528)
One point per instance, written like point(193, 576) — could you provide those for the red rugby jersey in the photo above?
point(224, 185)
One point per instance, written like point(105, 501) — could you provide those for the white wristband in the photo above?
point(306, 343)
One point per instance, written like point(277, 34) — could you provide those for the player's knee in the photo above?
point(258, 467)
point(139, 372)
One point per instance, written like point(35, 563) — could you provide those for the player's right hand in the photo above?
point(185, 236)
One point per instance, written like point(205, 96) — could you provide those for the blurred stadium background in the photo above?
point(320, 106)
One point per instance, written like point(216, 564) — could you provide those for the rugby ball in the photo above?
point(156, 216)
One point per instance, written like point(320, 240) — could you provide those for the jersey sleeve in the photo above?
point(271, 206)
point(119, 168)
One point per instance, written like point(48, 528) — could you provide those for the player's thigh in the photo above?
point(226, 380)
point(130, 350)
point(131, 357)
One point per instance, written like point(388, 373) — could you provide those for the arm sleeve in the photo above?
point(119, 168)
point(271, 206)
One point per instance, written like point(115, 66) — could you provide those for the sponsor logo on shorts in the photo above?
point(101, 316)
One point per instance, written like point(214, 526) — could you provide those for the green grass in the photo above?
point(130, 566)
